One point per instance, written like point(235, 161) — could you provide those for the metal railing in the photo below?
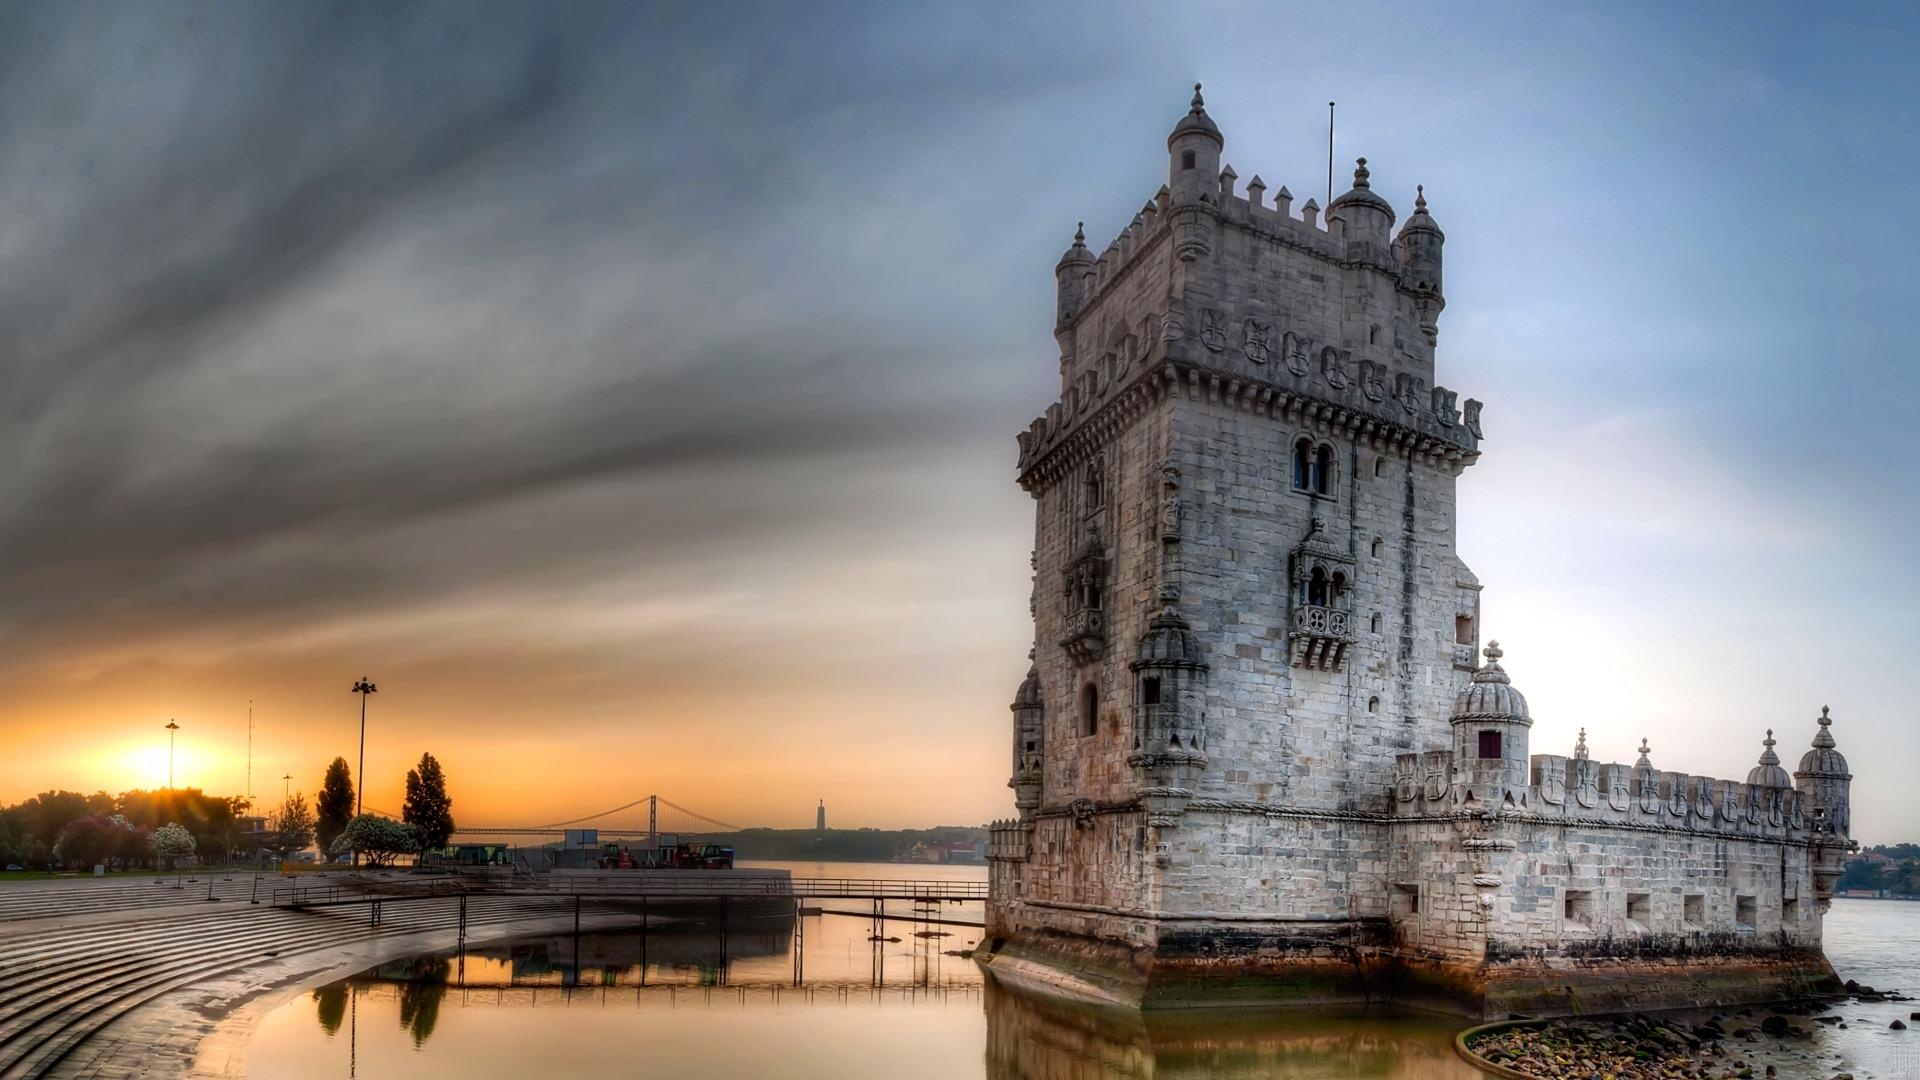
point(661, 884)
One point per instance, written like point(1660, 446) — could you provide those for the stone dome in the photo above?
point(1823, 759)
point(1769, 773)
point(1361, 194)
point(1421, 221)
point(1197, 122)
point(1169, 643)
point(1028, 696)
point(1077, 253)
point(1491, 695)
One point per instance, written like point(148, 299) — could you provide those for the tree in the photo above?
point(133, 845)
point(428, 807)
point(290, 828)
point(87, 841)
point(376, 839)
point(171, 841)
point(335, 804)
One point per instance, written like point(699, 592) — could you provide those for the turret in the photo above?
point(1824, 781)
point(1418, 251)
point(1769, 773)
point(1193, 155)
point(1490, 723)
point(1028, 733)
point(1169, 744)
point(1070, 283)
point(1825, 784)
point(1366, 218)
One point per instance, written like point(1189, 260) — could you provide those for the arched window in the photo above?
point(1379, 467)
point(1379, 546)
point(1373, 334)
point(1303, 466)
point(1374, 625)
point(1373, 704)
point(1317, 588)
point(1090, 709)
point(1186, 159)
point(1323, 470)
point(1093, 492)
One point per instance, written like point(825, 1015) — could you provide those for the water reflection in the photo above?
point(1032, 1038)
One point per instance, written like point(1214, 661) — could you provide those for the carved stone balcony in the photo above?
point(1465, 659)
point(1086, 637)
point(1320, 637)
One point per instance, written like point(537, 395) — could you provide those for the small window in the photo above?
point(1374, 624)
point(1405, 901)
point(1090, 710)
point(1639, 911)
point(1579, 907)
point(1186, 159)
point(1379, 467)
point(1379, 546)
point(1150, 690)
point(1373, 334)
point(1745, 912)
point(1323, 471)
point(1463, 629)
point(1789, 913)
point(1373, 704)
point(1693, 909)
point(1303, 466)
point(1489, 744)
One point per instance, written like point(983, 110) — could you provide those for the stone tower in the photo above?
point(1246, 599)
point(1255, 755)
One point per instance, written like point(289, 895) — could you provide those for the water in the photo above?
point(895, 1009)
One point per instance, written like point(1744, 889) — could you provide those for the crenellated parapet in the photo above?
point(1008, 839)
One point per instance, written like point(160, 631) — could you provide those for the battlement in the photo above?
point(1606, 793)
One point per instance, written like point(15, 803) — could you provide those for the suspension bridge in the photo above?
point(646, 819)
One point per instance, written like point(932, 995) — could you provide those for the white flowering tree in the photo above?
point(171, 841)
point(377, 840)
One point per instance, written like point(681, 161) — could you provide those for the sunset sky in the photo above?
point(630, 392)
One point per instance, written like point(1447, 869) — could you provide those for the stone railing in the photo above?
point(1320, 637)
point(1086, 636)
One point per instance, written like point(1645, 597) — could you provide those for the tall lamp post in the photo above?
point(286, 787)
point(171, 728)
point(363, 688)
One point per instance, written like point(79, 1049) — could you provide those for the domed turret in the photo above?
point(1418, 251)
point(1193, 154)
point(1824, 781)
point(1029, 729)
point(1769, 773)
point(1070, 275)
point(1490, 722)
point(1366, 217)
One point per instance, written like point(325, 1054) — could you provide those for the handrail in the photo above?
point(662, 883)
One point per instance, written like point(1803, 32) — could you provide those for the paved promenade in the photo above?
point(124, 977)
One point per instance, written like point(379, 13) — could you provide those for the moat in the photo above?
point(905, 1008)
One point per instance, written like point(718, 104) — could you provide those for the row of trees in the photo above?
point(1896, 872)
point(140, 828)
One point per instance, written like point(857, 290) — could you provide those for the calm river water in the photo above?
point(893, 1009)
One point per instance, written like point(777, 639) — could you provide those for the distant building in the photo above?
point(820, 817)
point(1258, 751)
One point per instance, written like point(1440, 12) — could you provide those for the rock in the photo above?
point(1897, 1026)
point(1774, 1024)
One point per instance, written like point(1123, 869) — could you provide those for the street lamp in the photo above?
point(363, 688)
point(171, 728)
point(286, 787)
